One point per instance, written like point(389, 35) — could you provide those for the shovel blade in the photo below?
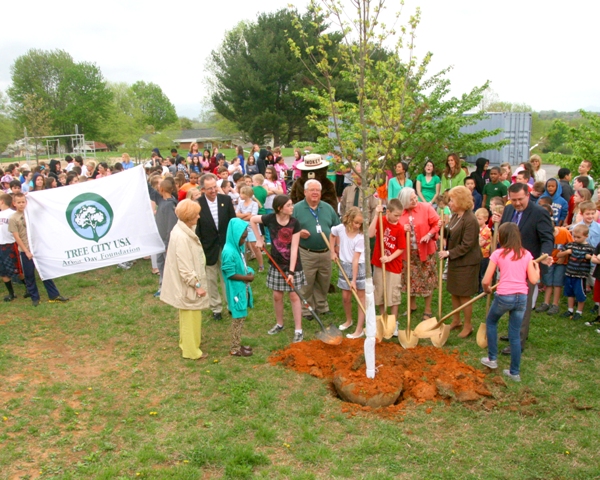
point(331, 335)
point(389, 326)
point(424, 329)
point(482, 336)
point(441, 336)
point(379, 328)
point(408, 339)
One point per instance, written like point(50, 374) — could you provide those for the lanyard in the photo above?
point(315, 213)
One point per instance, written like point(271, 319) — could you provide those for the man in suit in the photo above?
point(537, 236)
point(216, 211)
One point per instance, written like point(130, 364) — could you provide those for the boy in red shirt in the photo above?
point(394, 245)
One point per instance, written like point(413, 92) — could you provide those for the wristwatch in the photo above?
point(291, 272)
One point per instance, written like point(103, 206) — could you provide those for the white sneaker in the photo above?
point(298, 337)
point(516, 378)
point(489, 363)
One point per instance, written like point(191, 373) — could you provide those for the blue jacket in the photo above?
point(239, 294)
point(560, 207)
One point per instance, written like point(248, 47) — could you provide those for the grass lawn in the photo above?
point(96, 388)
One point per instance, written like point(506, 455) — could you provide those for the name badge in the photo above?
point(318, 228)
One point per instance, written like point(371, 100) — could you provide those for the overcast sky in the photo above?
point(544, 54)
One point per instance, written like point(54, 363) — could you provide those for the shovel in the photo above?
point(386, 323)
point(481, 336)
point(446, 328)
point(337, 261)
point(407, 338)
point(330, 335)
point(438, 337)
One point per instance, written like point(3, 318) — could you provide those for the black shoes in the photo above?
point(10, 297)
point(217, 316)
point(506, 351)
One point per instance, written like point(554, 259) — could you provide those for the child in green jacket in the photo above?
point(237, 277)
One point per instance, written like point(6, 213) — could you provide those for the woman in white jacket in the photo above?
point(184, 278)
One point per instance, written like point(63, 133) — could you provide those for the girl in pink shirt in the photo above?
point(516, 267)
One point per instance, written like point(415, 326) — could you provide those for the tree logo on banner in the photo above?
point(90, 216)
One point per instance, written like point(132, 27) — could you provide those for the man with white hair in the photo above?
point(315, 217)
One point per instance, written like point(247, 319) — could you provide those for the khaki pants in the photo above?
point(213, 275)
point(190, 333)
point(317, 269)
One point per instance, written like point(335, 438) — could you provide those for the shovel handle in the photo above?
point(381, 251)
point(541, 258)
point(441, 270)
point(408, 289)
point(293, 287)
point(345, 276)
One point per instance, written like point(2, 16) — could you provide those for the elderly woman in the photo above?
point(424, 224)
point(464, 254)
point(184, 278)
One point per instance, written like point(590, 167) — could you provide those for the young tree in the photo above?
point(399, 110)
point(36, 120)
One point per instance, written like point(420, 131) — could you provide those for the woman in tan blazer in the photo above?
point(185, 278)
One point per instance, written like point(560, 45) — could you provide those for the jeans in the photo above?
point(515, 305)
point(29, 273)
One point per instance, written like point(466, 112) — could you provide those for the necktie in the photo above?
point(517, 217)
point(356, 194)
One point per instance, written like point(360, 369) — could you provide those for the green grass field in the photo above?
point(96, 388)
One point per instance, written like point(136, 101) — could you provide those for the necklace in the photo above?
point(452, 225)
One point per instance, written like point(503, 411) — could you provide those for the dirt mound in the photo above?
point(421, 374)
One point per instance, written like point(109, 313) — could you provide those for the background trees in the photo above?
point(68, 92)
point(253, 76)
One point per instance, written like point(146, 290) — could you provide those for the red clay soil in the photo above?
point(425, 373)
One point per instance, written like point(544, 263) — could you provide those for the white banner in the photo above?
point(92, 224)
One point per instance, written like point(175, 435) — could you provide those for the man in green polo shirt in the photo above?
point(315, 217)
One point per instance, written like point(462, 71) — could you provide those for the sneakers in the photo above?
point(276, 329)
point(298, 337)
point(125, 265)
point(516, 378)
point(594, 309)
point(544, 307)
point(567, 314)
point(576, 316)
point(261, 269)
point(157, 294)
point(591, 323)
point(489, 363)
point(59, 299)
point(553, 310)
point(217, 316)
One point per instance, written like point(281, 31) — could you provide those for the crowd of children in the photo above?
point(257, 185)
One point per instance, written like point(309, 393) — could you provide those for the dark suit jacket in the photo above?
point(463, 244)
point(213, 239)
point(537, 232)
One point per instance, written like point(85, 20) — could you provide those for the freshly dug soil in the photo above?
point(420, 374)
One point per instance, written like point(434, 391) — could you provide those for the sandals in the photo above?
point(427, 316)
